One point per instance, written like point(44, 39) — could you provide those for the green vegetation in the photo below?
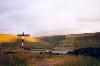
point(10, 45)
point(53, 40)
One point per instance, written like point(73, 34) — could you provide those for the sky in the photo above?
point(49, 17)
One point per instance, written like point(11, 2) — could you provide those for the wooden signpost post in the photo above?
point(22, 38)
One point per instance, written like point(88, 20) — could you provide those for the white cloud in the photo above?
point(49, 16)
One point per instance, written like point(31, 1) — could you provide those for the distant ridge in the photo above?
point(62, 42)
point(83, 34)
point(85, 40)
point(74, 41)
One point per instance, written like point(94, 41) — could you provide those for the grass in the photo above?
point(30, 59)
point(79, 61)
point(16, 59)
point(65, 60)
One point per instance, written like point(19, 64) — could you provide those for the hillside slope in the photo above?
point(9, 38)
point(85, 40)
point(12, 41)
point(74, 41)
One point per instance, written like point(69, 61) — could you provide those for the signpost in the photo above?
point(22, 38)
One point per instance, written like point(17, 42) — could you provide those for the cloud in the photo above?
point(39, 17)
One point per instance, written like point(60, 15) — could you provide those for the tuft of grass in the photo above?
point(79, 61)
point(32, 59)
point(16, 59)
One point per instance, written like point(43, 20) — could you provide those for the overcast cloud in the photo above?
point(49, 17)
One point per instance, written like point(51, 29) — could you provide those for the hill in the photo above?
point(73, 41)
point(56, 42)
point(85, 40)
point(8, 38)
point(11, 40)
